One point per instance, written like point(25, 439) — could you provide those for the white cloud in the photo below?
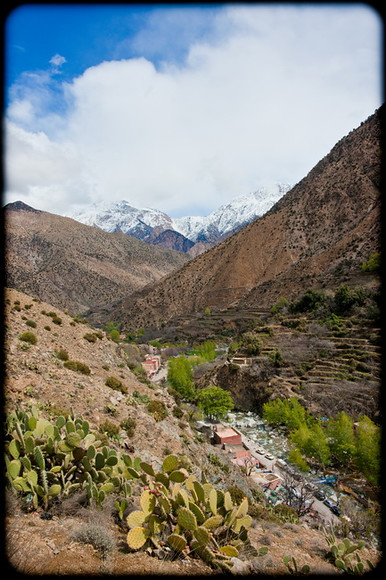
point(57, 60)
point(262, 103)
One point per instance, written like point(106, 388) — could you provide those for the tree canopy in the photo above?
point(214, 401)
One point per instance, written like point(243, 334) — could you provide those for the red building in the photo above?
point(151, 364)
point(226, 435)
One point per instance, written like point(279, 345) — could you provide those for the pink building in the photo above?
point(226, 435)
point(151, 364)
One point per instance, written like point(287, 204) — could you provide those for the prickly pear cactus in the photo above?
point(137, 537)
point(186, 518)
point(177, 542)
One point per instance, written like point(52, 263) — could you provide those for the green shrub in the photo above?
point(109, 428)
point(115, 384)
point(90, 337)
point(77, 366)
point(177, 412)
point(56, 320)
point(285, 513)
point(311, 300)
point(345, 298)
point(31, 323)
point(280, 305)
point(373, 264)
point(61, 354)
point(158, 409)
point(251, 343)
point(129, 426)
point(145, 399)
point(29, 337)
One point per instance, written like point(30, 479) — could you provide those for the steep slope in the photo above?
point(42, 541)
point(74, 266)
point(318, 232)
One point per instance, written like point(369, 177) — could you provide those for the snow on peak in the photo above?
point(121, 216)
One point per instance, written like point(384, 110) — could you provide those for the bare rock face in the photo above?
point(318, 234)
point(77, 267)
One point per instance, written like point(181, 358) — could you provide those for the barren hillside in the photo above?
point(77, 267)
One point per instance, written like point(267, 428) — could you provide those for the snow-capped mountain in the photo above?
point(234, 215)
point(146, 224)
point(120, 216)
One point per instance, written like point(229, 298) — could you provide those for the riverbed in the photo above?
point(274, 441)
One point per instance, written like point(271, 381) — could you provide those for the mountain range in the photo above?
point(77, 267)
point(191, 234)
point(317, 235)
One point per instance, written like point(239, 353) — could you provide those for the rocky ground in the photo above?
point(36, 376)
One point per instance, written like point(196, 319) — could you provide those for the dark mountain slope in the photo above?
point(319, 232)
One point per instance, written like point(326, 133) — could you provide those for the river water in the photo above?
point(274, 441)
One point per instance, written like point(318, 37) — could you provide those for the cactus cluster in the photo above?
point(51, 459)
point(189, 516)
point(46, 460)
point(345, 555)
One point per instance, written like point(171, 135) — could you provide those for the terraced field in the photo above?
point(330, 370)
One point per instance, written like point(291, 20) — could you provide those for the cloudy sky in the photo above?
point(180, 107)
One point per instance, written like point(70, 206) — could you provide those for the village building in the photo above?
point(226, 435)
point(151, 364)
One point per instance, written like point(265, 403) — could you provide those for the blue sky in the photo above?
point(180, 107)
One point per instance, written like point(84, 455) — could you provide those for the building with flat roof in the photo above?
point(226, 435)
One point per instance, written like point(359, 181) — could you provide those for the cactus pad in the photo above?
point(197, 512)
point(213, 522)
point(213, 501)
point(177, 542)
point(186, 518)
point(147, 502)
point(244, 521)
point(177, 476)
point(230, 551)
point(243, 508)
point(202, 535)
point(136, 518)
point(170, 463)
point(137, 537)
point(147, 468)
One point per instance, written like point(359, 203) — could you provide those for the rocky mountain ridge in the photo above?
point(74, 266)
point(148, 224)
point(317, 235)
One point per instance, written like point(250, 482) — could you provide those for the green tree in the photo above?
point(297, 458)
point(345, 298)
point(312, 442)
point(251, 343)
point(180, 375)
point(280, 305)
point(368, 449)
point(373, 264)
point(311, 300)
point(207, 351)
point(214, 401)
point(288, 412)
point(341, 438)
point(113, 331)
